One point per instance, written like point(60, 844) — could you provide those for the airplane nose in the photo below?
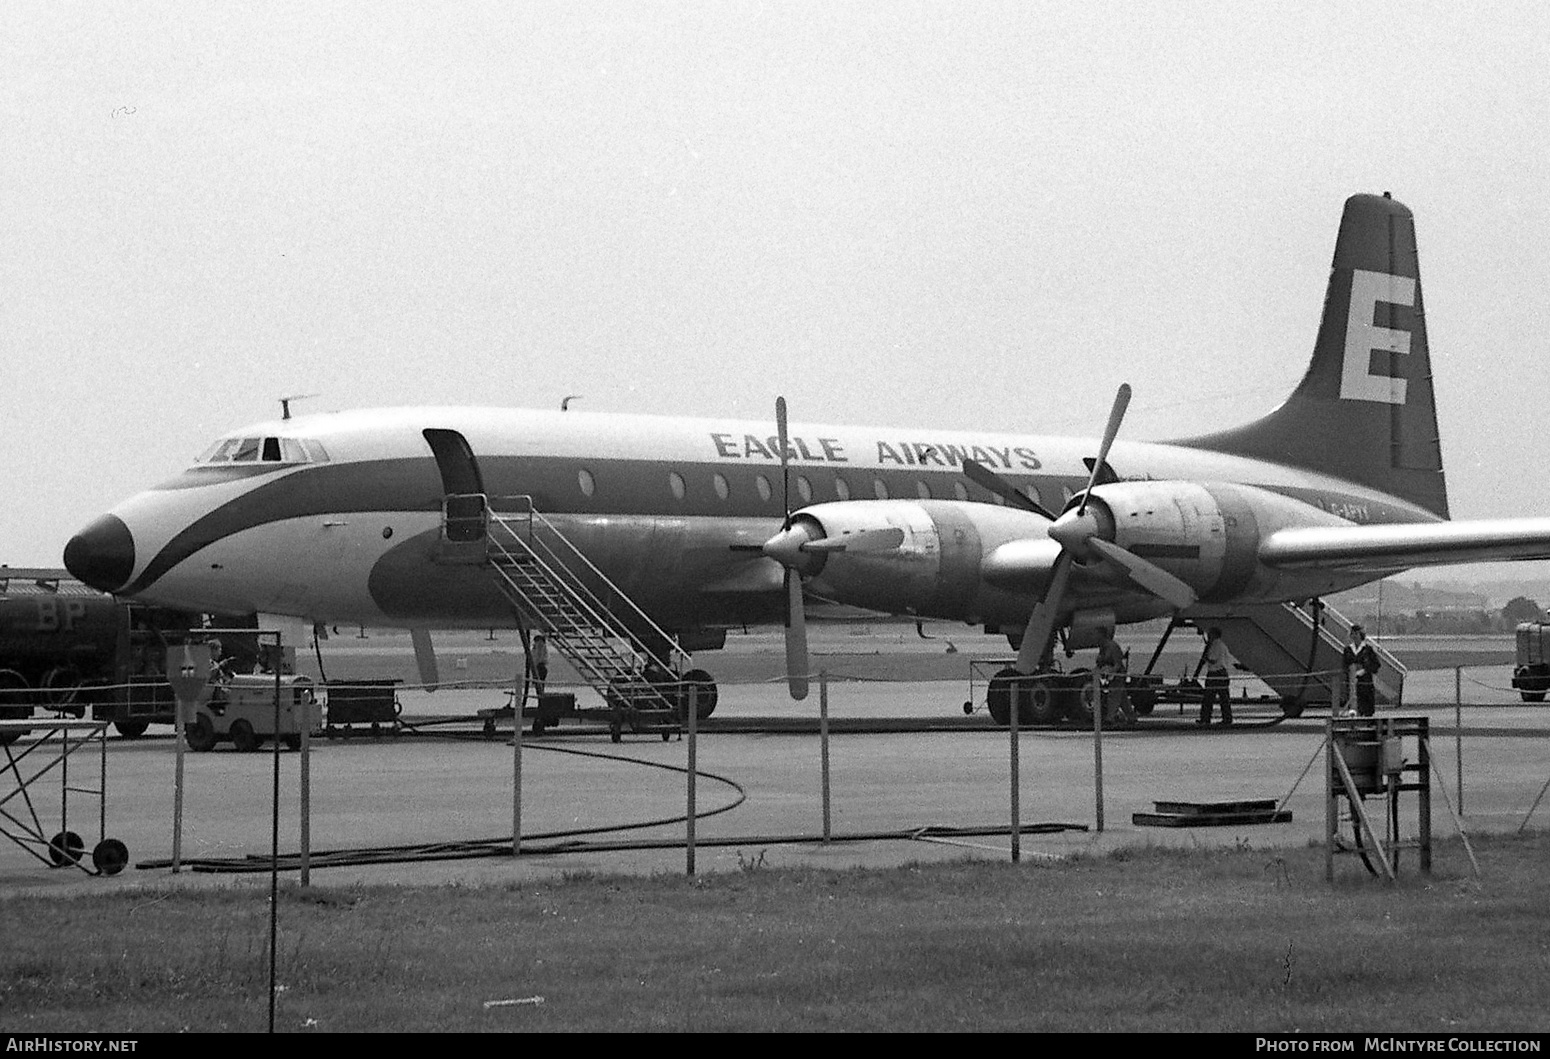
point(102, 554)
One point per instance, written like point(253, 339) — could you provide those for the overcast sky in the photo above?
point(953, 215)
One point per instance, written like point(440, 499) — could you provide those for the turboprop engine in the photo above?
point(980, 562)
point(902, 556)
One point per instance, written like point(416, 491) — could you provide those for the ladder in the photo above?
point(1296, 649)
point(556, 590)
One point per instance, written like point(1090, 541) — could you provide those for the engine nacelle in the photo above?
point(934, 571)
point(1206, 534)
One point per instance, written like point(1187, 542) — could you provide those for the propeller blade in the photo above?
point(796, 637)
point(1041, 623)
point(1116, 416)
point(1148, 575)
point(985, 478)
point(865, 541)
point(785, 459)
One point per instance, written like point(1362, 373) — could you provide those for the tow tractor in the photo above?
point(241, 710)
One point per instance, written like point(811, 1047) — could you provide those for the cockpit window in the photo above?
point(264, 450)
point(247, 451)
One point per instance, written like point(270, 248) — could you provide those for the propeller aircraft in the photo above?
point(343, 517)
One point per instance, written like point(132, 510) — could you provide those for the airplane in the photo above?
point(710, 524)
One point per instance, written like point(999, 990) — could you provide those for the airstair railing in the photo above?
point(562, 560)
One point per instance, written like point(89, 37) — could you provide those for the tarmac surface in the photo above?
point(763, 789)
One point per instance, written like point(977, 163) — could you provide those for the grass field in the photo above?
point(1243, 940)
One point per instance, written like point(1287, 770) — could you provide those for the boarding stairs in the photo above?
point(559, 592)
point(1296, 649)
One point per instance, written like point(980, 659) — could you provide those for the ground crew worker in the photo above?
point(1217, 660)
point(1362, 656)
point(1111, 668)
point(538, 661)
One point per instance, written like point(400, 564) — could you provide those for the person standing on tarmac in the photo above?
point(1217, 660)
point(538, 661)
point(1111, 668)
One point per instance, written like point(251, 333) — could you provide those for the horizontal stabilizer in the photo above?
point(1397, 547)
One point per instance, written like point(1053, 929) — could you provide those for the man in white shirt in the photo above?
point(1217, 660)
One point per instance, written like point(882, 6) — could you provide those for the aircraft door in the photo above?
point(461, 483)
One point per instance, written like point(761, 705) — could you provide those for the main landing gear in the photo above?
point(1044, 698)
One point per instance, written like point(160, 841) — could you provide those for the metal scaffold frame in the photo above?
point(1366, 756)
point(58, 740)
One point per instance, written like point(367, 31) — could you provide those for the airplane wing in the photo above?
point(1399, 547)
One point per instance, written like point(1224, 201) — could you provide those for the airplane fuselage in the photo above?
point(344, 524)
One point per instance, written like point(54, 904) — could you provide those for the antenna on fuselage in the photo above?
point(285, 403)
point(565, 401)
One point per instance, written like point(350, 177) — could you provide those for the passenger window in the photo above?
point(291, 451)
point(315, 450)
point(247, 450)
point(879, 489)
point(841, 488)
point(922, 490)
point(271, 450)
point(1031, 491)
point(586, 481)
point(762, 484)
point(960, 491)
point(720, 482)
point(675, 482)
point(804, 489)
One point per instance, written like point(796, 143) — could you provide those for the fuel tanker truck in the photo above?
point(66, 648)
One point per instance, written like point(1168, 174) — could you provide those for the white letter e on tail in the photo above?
point(1362, 337)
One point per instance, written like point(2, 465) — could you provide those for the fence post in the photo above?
point(1011, 725)
point(823, 743)
point(1098, 746)
point(1458, 730)
point(516, 764)
point(691, 719)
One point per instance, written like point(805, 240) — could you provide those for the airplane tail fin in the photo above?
point(1365, 410)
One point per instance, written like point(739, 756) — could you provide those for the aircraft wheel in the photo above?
point(65, 848)
point(131, 729)
point(998, 699)
point(1032, 694)
point(243, 737)
point(293, 742)
point(200, 734)
point(109, 856)
point(705, 694)
point(615, 732)
point(1079, 697)
point(1038, 702)
point(1143, 694)
point(1292, 707)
